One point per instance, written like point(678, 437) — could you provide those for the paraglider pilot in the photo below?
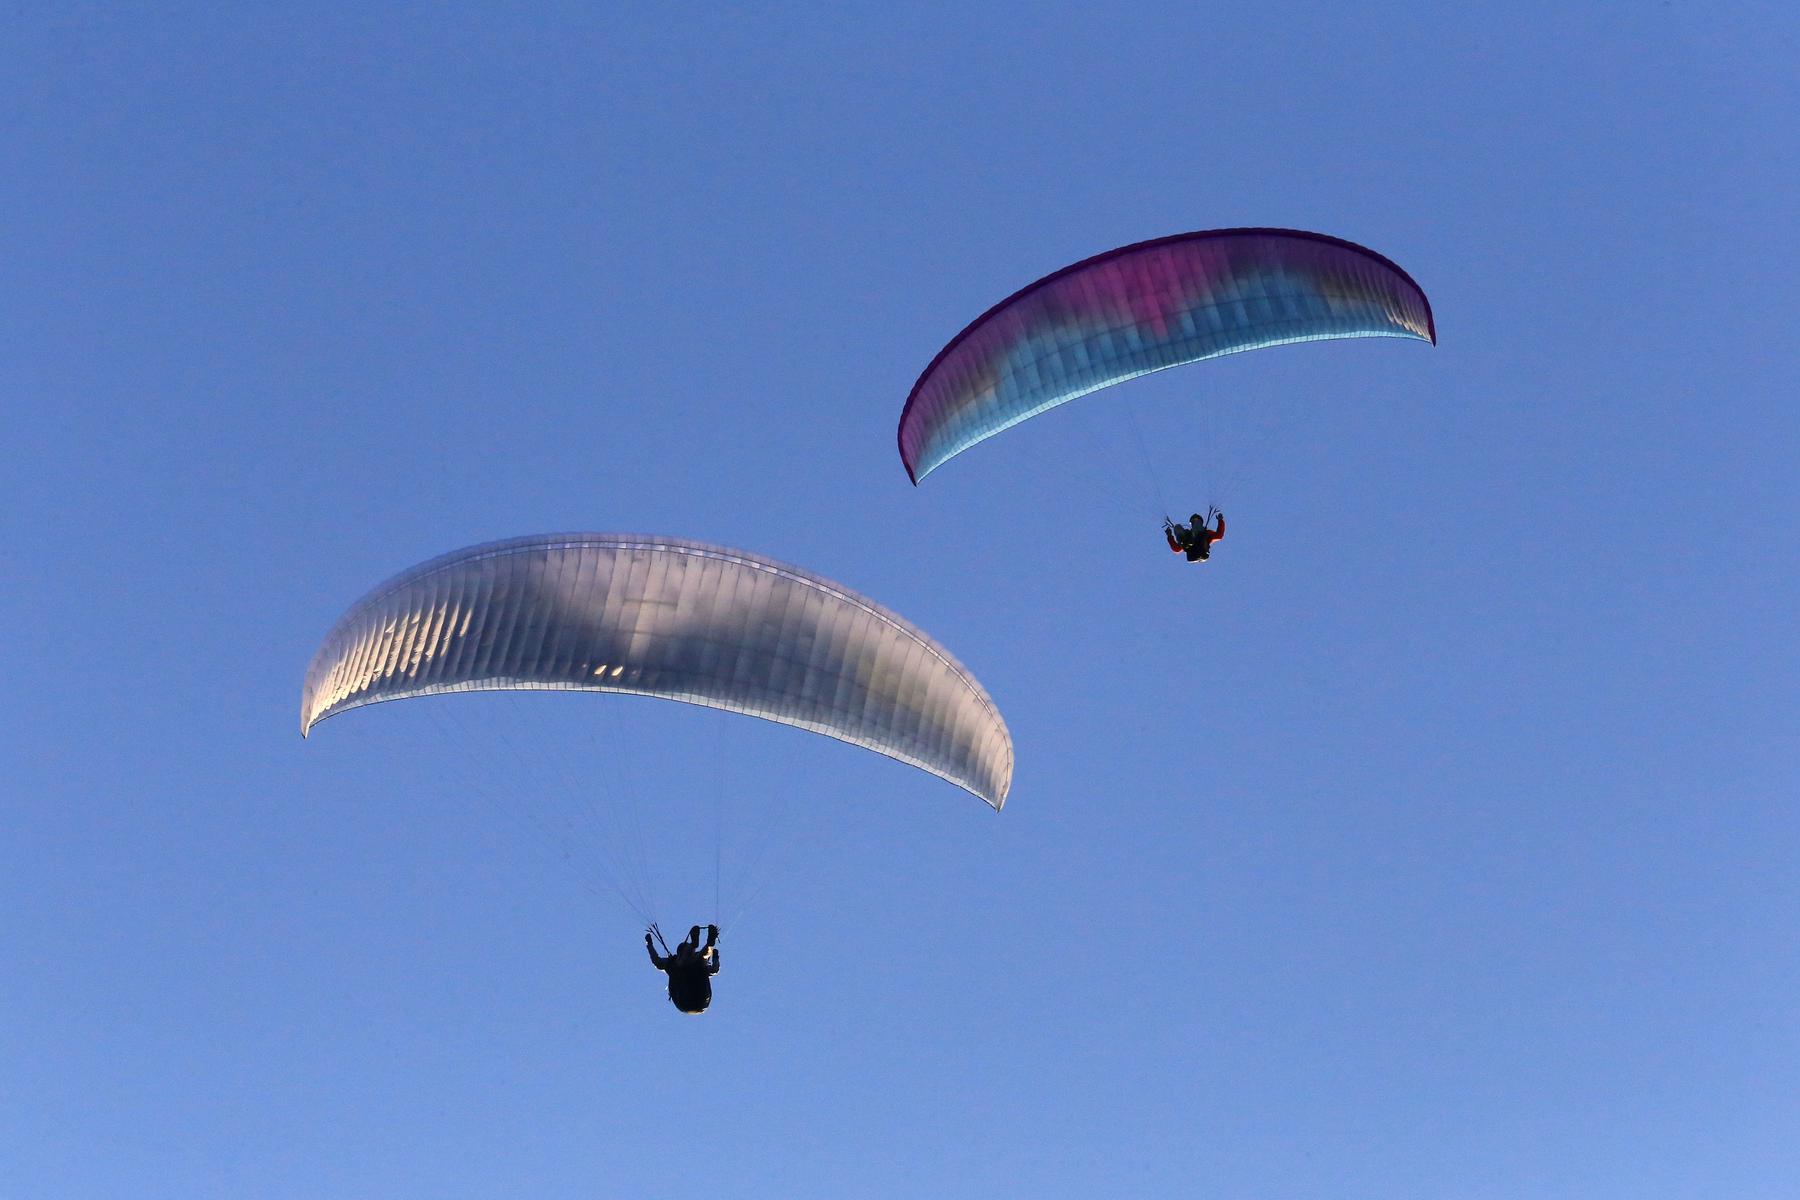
point(1195, 539)
point(690, 969)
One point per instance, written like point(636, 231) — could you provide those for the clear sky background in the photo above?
point(1437, 839)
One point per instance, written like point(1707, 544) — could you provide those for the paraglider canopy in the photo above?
point(1143, 308)
point(680, 620)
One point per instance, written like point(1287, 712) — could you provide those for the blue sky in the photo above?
point(1436, 839)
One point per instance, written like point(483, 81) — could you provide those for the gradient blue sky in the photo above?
point(1437, 839)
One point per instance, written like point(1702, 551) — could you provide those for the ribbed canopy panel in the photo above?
point(657, 616)
point(1142, 308)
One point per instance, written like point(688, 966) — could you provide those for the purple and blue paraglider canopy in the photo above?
point(1145, 307)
